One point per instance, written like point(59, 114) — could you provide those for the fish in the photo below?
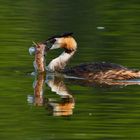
point(39, 51)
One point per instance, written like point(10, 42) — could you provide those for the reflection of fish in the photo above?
point(38, 90)
point(91, 71)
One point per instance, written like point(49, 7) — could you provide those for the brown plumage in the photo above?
point(68, 43)
point(102, 71)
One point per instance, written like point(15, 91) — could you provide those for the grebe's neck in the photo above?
point(59, 63)
point(69, 45)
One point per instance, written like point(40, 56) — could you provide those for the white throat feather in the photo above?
point(59, 63)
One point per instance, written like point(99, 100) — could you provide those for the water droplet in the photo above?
point(32, 50)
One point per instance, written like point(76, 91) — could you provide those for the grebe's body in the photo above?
point(90, 71)
point(102, 71)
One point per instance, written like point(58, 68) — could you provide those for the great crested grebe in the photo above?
point(98, 71)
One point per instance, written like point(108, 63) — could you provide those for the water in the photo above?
point(105, 31)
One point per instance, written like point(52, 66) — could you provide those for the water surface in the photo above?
point(105, 31)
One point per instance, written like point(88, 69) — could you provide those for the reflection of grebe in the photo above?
point(91, 71)
point(66, 103)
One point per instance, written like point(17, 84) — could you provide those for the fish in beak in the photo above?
point(39, 50)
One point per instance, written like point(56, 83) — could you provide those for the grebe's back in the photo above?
point(102, 71)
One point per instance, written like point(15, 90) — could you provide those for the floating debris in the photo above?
point(30, 99)
point(90, 114)
point(100, 28)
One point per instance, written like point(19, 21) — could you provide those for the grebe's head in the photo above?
point(65, 41)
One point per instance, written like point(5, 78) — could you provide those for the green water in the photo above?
point(105, 31)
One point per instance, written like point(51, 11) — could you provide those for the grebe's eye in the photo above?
point(52, 41)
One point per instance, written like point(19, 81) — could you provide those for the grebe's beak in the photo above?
point(50, 43)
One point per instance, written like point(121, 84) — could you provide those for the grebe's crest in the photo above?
point(59, 36)
point(65, 41)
